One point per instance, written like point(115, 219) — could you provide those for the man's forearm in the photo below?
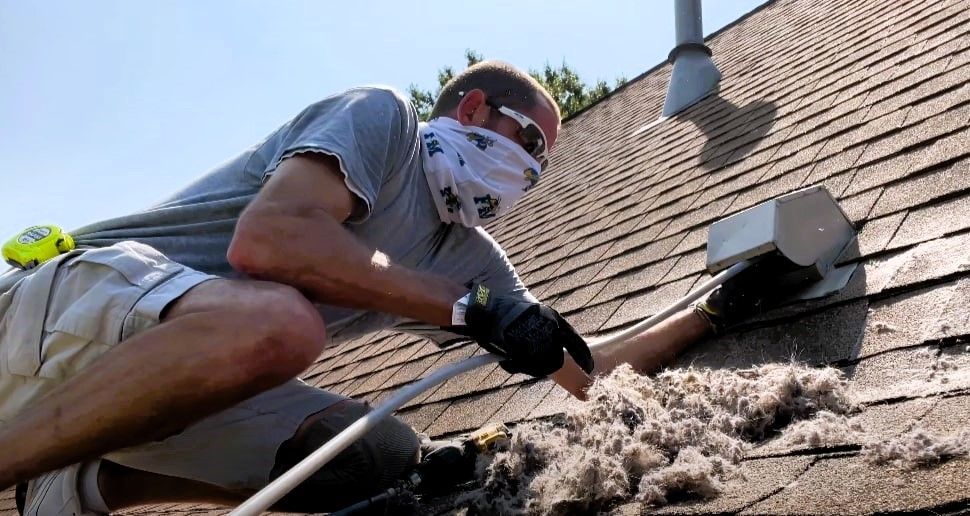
point(645, 352)
point(317, 255)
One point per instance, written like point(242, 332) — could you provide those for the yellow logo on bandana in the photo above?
point(487, 206)
point(480, 140)
point(532, 176)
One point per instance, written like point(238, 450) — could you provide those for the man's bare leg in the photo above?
point(221, 343)
point(646, 352)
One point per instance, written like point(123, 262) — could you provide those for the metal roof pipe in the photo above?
point(694, 74)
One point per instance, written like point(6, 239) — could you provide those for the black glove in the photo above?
point(530, 335)
point(754, 290)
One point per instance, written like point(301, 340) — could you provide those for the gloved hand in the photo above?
point(753, 291)
point(530, 335)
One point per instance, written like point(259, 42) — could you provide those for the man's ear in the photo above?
point(472, 110)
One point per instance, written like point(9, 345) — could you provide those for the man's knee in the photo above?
point(284, 329)
point(369, 465)
point(289, 321)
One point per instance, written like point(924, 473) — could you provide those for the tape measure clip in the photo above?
point(35, 245)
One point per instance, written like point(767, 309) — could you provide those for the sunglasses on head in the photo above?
point(533, 139)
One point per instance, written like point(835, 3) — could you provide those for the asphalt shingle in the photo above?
point(849, 485)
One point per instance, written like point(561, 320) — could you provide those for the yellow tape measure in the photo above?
point(35, 245)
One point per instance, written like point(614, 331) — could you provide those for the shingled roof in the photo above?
point(869, 98)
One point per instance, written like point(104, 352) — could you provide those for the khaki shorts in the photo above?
point(59, 318)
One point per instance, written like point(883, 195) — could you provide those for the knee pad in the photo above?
point(397, 448)
point(369, 465)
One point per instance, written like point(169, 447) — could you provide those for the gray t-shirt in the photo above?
point(373, 131)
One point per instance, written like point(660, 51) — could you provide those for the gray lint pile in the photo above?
point(678, 435)
point(651, 439)
point(825, 429)
point(917, 448)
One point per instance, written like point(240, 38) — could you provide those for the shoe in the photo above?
point(53, 494)
point(444, 464)
point(447, 463)
point(753, 291)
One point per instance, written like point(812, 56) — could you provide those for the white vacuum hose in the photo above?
point(288, 481)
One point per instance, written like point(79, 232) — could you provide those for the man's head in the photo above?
point(476, 96)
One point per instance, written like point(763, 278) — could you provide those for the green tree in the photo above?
point(568, 89)
point(562, 82)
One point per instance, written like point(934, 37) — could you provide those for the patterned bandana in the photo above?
point(475, 174)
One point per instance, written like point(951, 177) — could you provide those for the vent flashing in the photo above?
point(694, 74)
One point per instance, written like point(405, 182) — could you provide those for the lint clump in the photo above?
point(651, 439)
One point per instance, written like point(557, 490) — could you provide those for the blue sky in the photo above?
point(108, 106)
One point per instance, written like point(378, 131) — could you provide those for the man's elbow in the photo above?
point(251, 251)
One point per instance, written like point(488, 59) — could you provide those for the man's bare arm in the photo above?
point(292, 233)
point(646, 352)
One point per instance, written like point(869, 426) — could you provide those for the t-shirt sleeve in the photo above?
point(498, 274)
point(368, 130)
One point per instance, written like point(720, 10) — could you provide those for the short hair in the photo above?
point(500, 81)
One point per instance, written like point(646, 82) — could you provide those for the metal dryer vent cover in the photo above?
point(806, 227)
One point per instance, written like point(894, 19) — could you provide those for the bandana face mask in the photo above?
point(475, 175)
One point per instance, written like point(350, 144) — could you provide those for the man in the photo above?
point(158, 363)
